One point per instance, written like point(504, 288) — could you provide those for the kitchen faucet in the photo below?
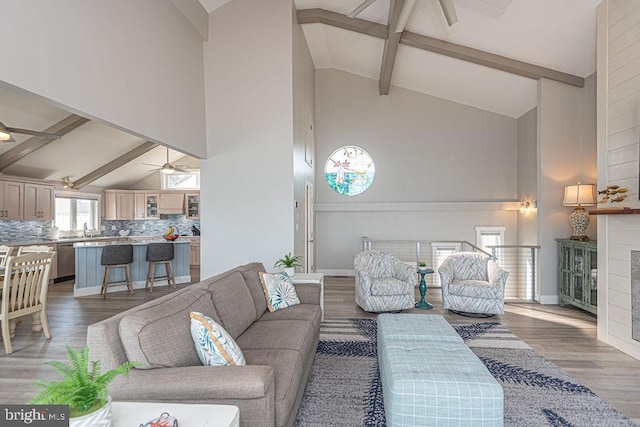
point(84, 232)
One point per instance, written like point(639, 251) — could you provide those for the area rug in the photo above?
point(344, 386)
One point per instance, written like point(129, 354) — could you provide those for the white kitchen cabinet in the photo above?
point(140, 205)
point(110, 204)
point(39, 201)
point(11, 200)
point(119, 204)
point(125, 206)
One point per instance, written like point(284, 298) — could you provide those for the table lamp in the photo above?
point(579, 195)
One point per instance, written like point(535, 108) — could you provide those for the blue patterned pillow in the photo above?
point(279, 290)
point(214, 345)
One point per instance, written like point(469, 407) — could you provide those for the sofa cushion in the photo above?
point(233, 302)
point(214, 345)
point(250, 273)
point(309, 312)
point(279, 291)
point(288, 370)
point(279, 334)
point(158, 335)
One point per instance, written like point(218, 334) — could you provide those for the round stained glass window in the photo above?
point(349, 170)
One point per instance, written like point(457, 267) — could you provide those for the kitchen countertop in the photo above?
point(137, 242)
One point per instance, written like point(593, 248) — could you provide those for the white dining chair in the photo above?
point(24, 292)
point(34, 249)
point(5, 252)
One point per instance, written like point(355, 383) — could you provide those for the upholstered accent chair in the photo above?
point(383, 282)
point(472, 283)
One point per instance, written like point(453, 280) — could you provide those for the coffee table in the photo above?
point(128, 414)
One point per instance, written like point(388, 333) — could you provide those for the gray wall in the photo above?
point(303, 94)
point(442, 168)
point(247, 179)
point(527, 176)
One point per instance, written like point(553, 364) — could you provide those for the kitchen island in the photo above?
point(89, 272)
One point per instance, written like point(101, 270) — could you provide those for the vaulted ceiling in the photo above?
point(558, 35)
point(79, 152)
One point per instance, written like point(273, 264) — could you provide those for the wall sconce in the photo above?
point(526, 207)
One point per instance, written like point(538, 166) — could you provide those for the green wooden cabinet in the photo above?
point(578, 274)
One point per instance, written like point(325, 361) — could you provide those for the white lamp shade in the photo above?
point(579, 195)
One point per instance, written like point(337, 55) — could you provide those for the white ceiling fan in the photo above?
point(6, 131)
point(447, 7)
point(169, 168)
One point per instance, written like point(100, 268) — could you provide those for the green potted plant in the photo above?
point(83, 388)
point(422, 266)
point(289, 263)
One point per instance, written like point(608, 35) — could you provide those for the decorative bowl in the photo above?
point(171, 238)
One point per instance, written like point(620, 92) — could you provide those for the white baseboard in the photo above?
point(549, 299)
point(337, 272)
point(95, 290)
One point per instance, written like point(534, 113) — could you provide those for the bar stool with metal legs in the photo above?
point(116, 256)
point(159, 253)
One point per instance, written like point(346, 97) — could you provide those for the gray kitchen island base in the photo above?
point(89, 272)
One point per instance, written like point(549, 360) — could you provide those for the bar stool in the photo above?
point(116, 256)
point(159, 253)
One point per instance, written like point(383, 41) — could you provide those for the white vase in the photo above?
point(290, 271)
point(99, 418)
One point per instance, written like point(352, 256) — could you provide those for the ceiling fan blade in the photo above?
point(151, 164)
point(449, 11)
point(34, 133)
point(365, 4)
point(178, 169)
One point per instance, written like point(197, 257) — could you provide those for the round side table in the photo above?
point(423, 290)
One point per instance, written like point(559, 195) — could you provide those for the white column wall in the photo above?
point(247, 179)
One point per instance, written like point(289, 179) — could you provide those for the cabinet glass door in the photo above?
point(593, 278)
point(152, 206)
point(193, 206)
point(578, 278)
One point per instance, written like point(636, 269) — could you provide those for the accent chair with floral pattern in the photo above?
point(383, 282)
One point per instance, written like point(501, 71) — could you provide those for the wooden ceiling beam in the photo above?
point(391, 44)
point(34, 143)
point(487, 59)
point(453, 50)
point(362, 26)
point(114, 164)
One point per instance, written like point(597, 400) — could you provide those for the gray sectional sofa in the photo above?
point(279, 348)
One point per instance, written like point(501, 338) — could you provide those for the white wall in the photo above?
point(247, 179)
point(618, 135)
point(528, 176)
point(304, 96)
point(560, 137)
point(134, 65)
point(441, 168)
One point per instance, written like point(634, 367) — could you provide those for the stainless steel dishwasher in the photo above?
point(66, 260)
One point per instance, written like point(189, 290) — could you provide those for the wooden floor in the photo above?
point(566, 336)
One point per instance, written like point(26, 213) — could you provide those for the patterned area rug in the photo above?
point(344, 386)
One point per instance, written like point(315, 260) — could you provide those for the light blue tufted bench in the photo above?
point(431, 378)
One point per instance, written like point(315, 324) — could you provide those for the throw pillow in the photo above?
point(279, 290)
point(214, 345)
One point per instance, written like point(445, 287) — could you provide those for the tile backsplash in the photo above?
point(151, 227)
point(36, 230)
point(24, 230)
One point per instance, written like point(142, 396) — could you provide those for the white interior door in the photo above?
point(309, 264)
